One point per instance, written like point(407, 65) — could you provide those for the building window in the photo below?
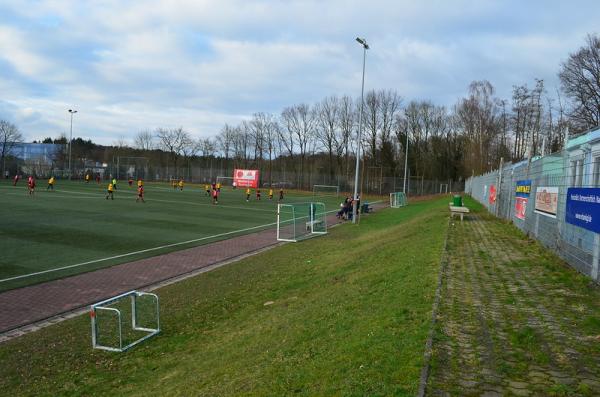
point(596, 176)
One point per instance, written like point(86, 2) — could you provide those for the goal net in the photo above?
point(225, 180)
point(398, 199)
point(123, 321)
point(300, 220)
point(326, 190)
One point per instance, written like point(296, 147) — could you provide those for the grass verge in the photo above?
point(350, 314)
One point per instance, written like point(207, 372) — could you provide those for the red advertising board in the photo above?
point(246, 178)
point(520, 207)
point(492, 194)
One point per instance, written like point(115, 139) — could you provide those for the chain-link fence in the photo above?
point(533, 195)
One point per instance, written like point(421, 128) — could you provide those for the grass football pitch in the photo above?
point(75, 225)
point(343, 314)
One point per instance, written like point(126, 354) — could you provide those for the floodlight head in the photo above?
point(72, 111)
point(363, 42)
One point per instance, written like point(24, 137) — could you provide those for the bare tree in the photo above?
point(389, 105)
point(299, 121)
point(224, 143)
point(580, 81)
point(174, 141)
point(144, 140)
point(328, 115)
point(372, 120)
point(9, 135)
point(347, 122)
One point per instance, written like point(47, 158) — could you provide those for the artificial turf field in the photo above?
point(75, 224)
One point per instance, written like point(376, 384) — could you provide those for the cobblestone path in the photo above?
point(513, 319)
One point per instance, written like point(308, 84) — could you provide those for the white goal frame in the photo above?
point(337, 189)
point(398, 199)
point(310, 221)
point(105, 306)
point(219, 179)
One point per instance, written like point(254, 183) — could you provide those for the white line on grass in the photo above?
point(148, 250)
point(137, 252)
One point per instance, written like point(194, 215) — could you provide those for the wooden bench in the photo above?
point(458, 211)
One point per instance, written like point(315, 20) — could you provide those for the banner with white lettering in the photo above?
point(583, 208)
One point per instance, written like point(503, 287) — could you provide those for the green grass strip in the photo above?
point(350, 315)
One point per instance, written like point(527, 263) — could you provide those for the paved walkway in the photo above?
point(512, 320)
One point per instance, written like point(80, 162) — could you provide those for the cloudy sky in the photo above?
point(128, 66)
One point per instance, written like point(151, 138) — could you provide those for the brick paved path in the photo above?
point(512, 320)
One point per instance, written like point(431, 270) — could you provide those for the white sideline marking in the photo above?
point(136, 252)
point(150, 249)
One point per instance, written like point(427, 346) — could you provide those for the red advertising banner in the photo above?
point(246, 178)
point(520, 207)
point(492, 194)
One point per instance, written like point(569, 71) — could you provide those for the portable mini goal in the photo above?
point(298, 221)
point(398, 199)
point(125, 320)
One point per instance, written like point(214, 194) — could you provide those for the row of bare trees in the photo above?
point(444, 143)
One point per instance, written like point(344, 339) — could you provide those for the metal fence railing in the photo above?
point(504, 193)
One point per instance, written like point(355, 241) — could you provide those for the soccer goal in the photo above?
point(398, 199)
point(225, 180)
point(123, 321)
point(326, 190)
point(300, 220)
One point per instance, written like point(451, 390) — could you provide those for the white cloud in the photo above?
point(198, 64)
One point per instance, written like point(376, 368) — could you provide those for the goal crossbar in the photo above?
point(326, 189)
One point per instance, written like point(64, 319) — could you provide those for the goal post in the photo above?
point(326, 190)
point(299, 221)
point(123, 321)
point(225, 180)
point(398, 199)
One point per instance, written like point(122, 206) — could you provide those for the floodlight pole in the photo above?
point(71, 111)
point(405, 163)
point(365, 46)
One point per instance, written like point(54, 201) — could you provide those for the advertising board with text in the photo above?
point(546, 201)
point(522, 192)
point(583, 208)
point(246, 178)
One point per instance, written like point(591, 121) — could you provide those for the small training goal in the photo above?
point(398, 199)
point(125, 320)
point(326, 190)
point(298, 221)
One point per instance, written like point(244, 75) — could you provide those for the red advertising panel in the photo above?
point(520, 207)
point(492, 194)
point(246, 178)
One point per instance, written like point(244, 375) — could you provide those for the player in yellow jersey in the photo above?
point(207, 189)
point(180, 184)
point(87, 178)
point(110, 191)
point(140, 183)
point(50, 184)
point(219, 187)
point(247, 194)
point(271, 194)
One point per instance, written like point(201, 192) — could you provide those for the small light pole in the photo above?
point(365, 46)
point(405, 163)
point(71, 111)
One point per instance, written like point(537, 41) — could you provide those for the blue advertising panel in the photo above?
point(523, 188)
point(583, 208)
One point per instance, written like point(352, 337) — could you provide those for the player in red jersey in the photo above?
point(31, 185)
point(215, 196)
point(258, 194)
point(140, 195)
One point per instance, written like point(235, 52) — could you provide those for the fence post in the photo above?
point(596, 256)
